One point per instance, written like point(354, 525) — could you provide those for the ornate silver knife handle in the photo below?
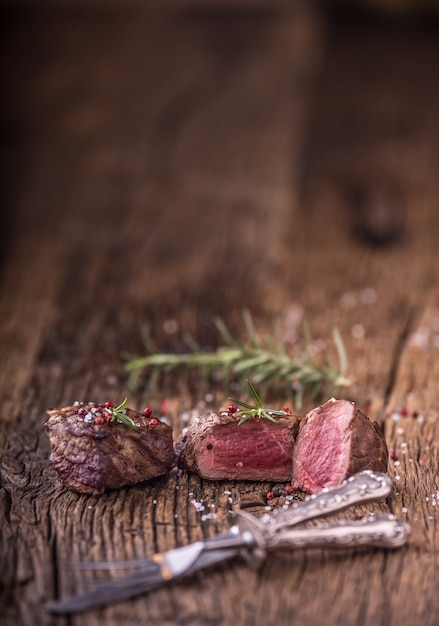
point(363, 487)
point(383, 531)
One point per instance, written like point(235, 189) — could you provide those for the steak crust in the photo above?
point(215, 447)
point(91, 457)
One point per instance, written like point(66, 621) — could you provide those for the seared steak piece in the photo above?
point(215, 447)
point(91, 454)
point(335, 441)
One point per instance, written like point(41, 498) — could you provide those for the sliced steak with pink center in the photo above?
point(335, 441)
point(215, 447)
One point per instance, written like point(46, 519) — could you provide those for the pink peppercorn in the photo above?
point(287, 410)
point(99, 420)
point(153, 422)
point(147, 412)
point(270, 495)
point(82, 412)
point(289, 489)
point(108, 405)
point(232, 408)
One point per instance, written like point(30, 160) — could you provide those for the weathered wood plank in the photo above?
point(171, 222)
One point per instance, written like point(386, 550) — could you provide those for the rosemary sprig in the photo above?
point(118, 413)
point(265, 360)
point(258, 410)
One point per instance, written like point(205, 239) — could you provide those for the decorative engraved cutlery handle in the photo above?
point(358, 489)
point(380, 531)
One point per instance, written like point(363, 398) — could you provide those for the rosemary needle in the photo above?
point(264, 360)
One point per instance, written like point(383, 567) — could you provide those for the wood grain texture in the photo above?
point(178, 166)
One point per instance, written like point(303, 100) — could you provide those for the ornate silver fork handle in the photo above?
point(363, 487)
point(381, 531)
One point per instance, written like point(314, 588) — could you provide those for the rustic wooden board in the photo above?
point(167, 169)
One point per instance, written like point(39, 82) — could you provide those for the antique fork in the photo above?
point(252, 537)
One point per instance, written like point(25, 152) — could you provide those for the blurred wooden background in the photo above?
point(163, 167)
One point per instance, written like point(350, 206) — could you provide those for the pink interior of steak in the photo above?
point(252, 451)
point(322, 451)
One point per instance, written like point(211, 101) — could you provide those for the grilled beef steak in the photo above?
point(215, 447)
point(91, 454)
point(335, 441)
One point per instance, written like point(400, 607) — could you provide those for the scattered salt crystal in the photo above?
point(230, 500)
point(368, 296)
point(239, 464)
point(348, 300)
point(397, 477)
point(93, 410)
point(404, 444)
point(170, 326)
point(154, 501)
point(267, 508)
point(199, 506)
point(400, 431)
point(396, 416)
point(177, 486)
point(227, 493)
point(76, 403)
point(420, 418)
point(191, 493)
point(208, 516)
point(176, 515)
point(358, 331)
point(404, 509)
point(427, 499)
point(396, 463)
point(420, 337)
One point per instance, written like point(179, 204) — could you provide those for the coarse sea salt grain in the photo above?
point(397, 477)
point(404, 509)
